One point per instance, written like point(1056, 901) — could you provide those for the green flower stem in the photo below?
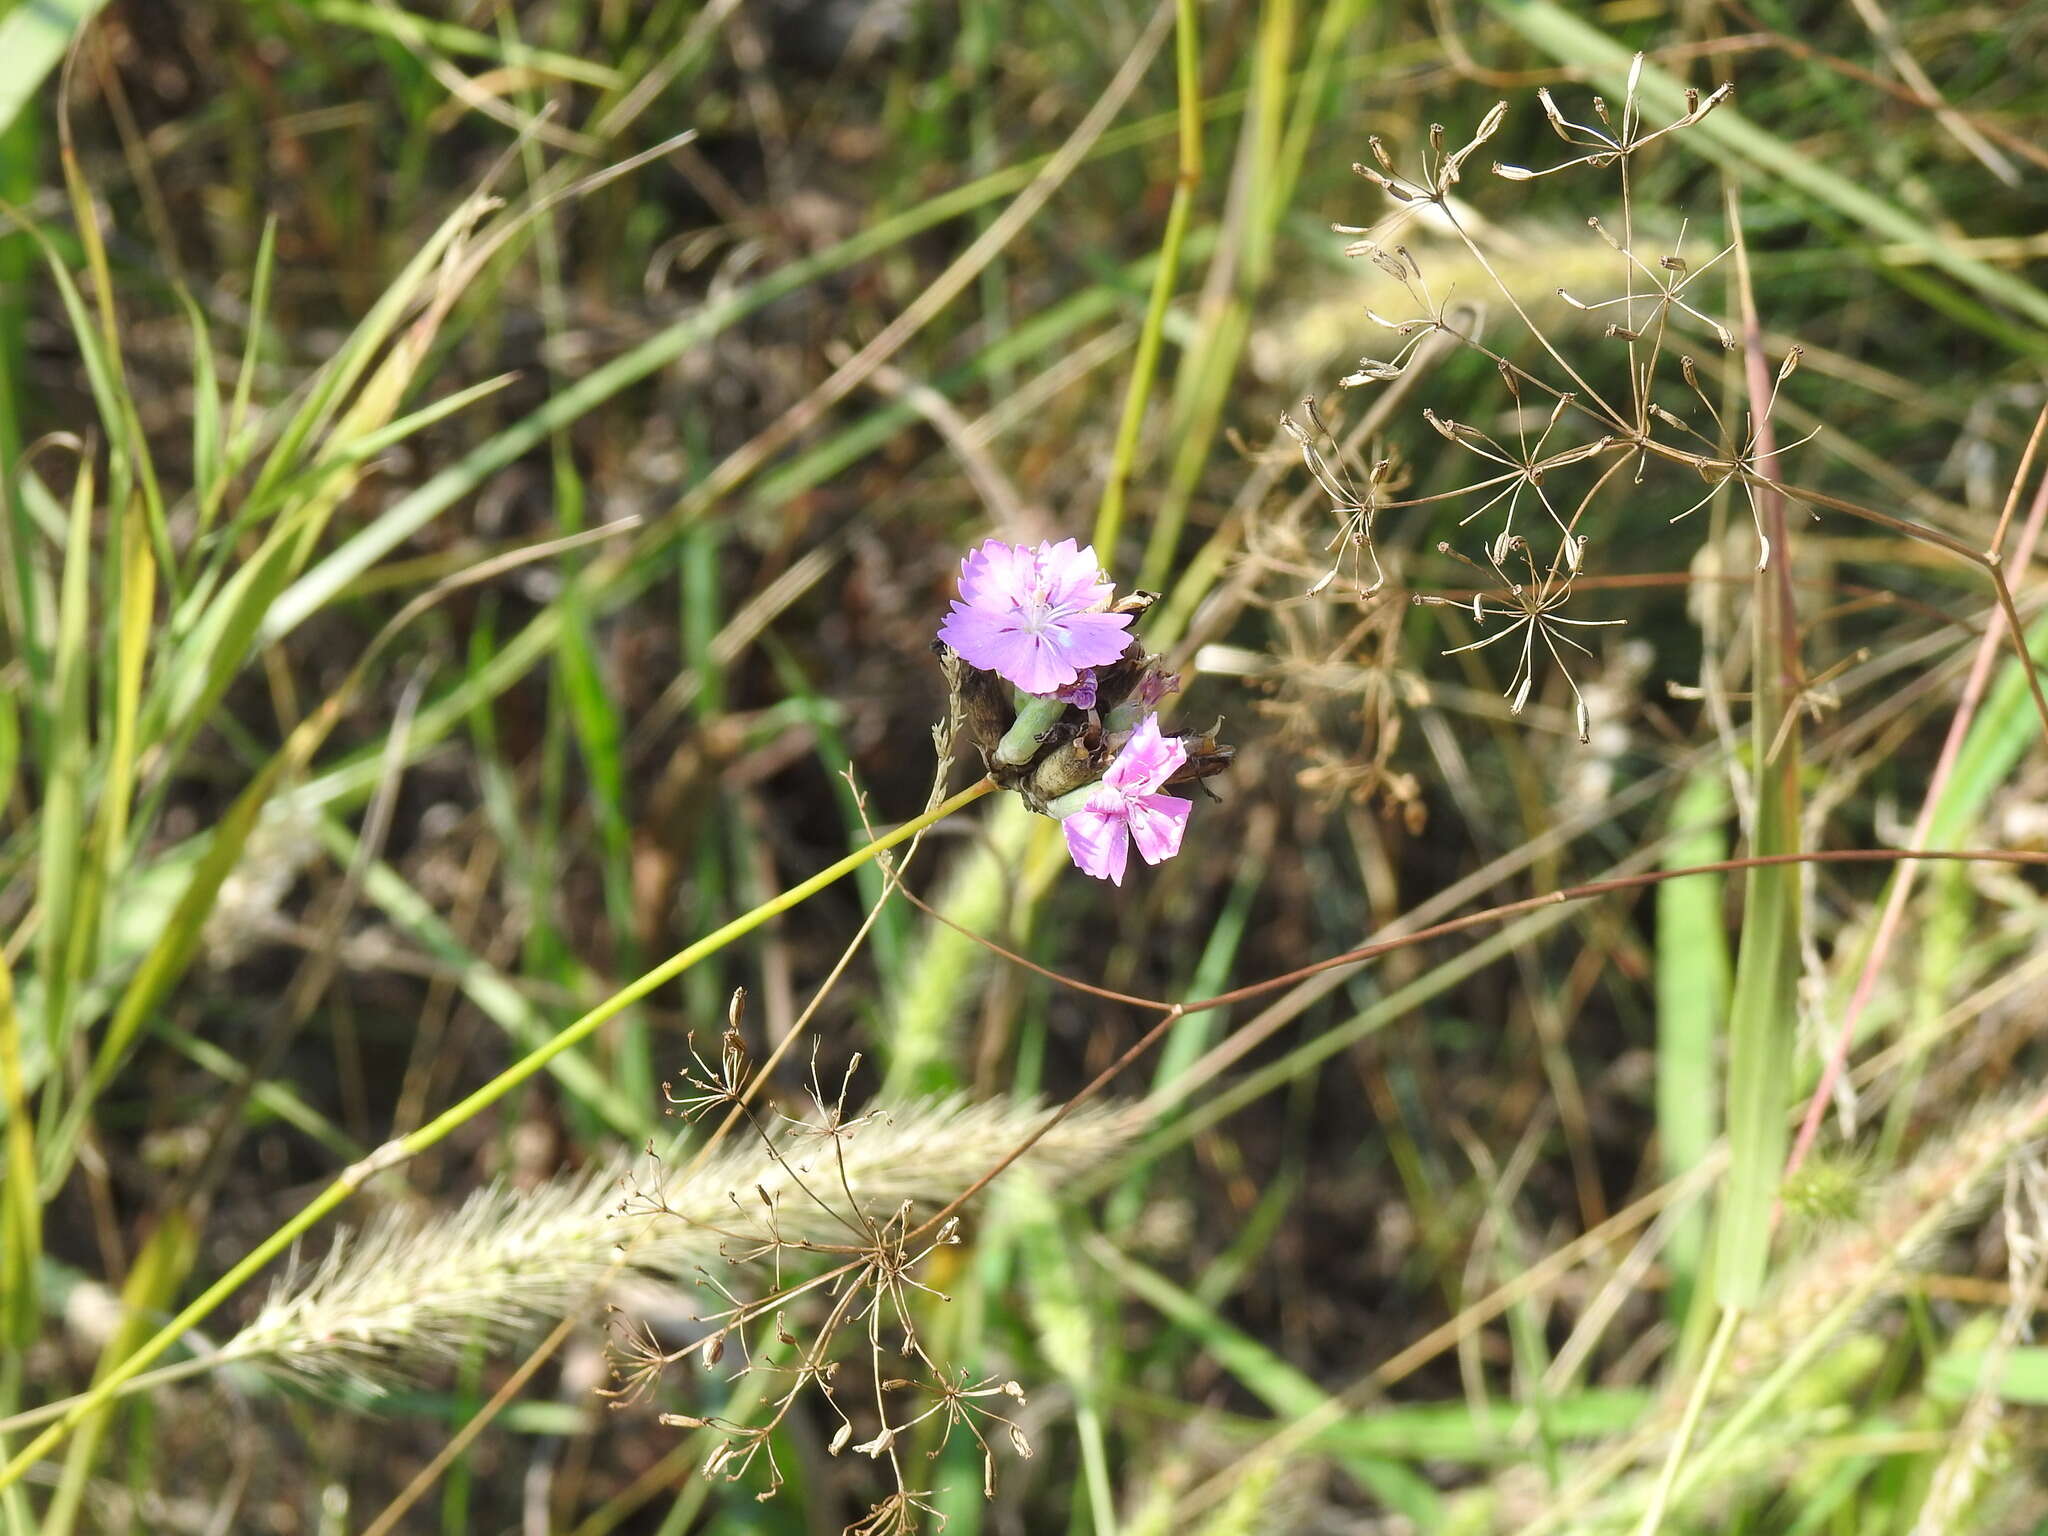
point(392, 1153)
point(1063, 806)
point(1035, 716)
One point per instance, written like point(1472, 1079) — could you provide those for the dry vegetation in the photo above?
point(517, 1010)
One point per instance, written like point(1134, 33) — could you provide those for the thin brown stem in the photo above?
point(1171, 1013)
point(2019, 481)
point(1988, 560)
point(1951, 748)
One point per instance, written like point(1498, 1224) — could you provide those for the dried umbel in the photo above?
point(1062, 703)
point(822, 1247)
point(1569, 439)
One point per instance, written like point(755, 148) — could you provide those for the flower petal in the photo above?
point(983, 639)
point(1099, 841)
point(1091, 639)
point(997, 574)
point(1072, 577)
point(1147, 760)
point(1156, 823)
point(1080, 692)
point(1036, 665)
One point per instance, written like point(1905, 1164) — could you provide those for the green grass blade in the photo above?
point(343, 458)
point(2003, 732)
point(420, 31)
point(1763, 1020)
point(1692, 999)
point(62, 821)
point(1280, 1386)
point(208, 446)
point(105, 853)
point(2018, 1374)
point(352, 361)
point(238, 445)
point(1109, 512)
point(33, 37)
point(21, 1207)
point(1762, 1030)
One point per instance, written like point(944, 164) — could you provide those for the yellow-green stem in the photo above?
point(1109, 515)
point(1245, 253)
point(391, 1154)
point(1703, 1388)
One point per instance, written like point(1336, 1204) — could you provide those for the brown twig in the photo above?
point(1170, 1013)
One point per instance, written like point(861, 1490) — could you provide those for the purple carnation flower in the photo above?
point(1033, 616)
point(1125, 807)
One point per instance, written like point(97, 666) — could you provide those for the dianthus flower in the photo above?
point(1035, 617)
point(1126, 807)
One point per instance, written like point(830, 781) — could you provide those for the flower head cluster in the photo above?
point(1063, 701)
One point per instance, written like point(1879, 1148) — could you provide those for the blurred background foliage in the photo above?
point(457, 833)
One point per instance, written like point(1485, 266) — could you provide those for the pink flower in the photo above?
point(1031, 616)
point(1125, 808)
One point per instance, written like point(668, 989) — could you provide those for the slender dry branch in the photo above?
point(1171, 1013)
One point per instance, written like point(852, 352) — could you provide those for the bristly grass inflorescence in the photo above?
point(387, 1303)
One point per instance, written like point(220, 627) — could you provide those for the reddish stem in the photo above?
point(1902, 886)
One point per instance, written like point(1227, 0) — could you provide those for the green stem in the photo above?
point(1109, 515)
point(1660, 1499)
point(392, 1153)
point(1035, 716)
point(1095, 1467)
point(1239, 273)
